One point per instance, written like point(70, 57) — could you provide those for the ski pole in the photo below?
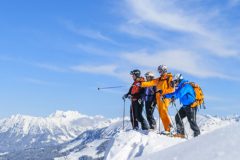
point(159, 129)
point(175, 128)
point(174, 104)
point(159, 124)
point(111, 87)
point(124, 102)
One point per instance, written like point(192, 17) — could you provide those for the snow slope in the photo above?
point(221, 144)
point(130, 144)
point(107, 140)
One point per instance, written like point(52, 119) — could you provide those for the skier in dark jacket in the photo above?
point(150, 101)
point(136, 94)
point(185, 92)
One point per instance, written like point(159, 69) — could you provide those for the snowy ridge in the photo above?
point(221, 144)
point(107, 140)
point(130, 144)
point(60, 127)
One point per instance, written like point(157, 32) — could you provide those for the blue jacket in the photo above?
point(184, 92)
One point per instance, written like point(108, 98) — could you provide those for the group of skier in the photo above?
point(161, 92)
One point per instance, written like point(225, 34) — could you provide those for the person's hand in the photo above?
point(138, 84)
point(140, 101)
point(160, 91)
point(124, 96)
point(163, 97)
point(153, 104)
point(172, 99)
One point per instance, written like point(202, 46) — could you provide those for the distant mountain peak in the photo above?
point(67, 114)
point(59, 127)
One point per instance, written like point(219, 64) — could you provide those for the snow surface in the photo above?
point(90, 149)
point(2, 154)
point(100, 138)
point(131, 144)
point(221, 144)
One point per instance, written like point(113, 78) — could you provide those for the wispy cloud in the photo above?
point(91, 49)
point(51, 67)
point(93, 34)
point(165, 14)
point(106, 69)
point(234, 2)
point(38, 81)
point(196, 27)
point(139, 31)
point(101, 69)
point(192, 38)
point(179, 60)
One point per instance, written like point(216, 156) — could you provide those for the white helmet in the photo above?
point(162, 69)
point(149, 74)
point(177, 77)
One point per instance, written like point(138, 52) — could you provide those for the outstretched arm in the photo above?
point(171, 95)
point(149, 83)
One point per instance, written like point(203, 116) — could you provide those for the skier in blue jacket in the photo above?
point(185, 92)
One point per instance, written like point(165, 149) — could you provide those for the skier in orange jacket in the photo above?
point(164, 86)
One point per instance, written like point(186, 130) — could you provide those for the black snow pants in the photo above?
point(136, 115)
point(150, 106)
point(190, 113)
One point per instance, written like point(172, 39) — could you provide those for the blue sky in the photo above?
point(55, 54)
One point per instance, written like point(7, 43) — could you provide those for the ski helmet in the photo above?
point(149, 74)
point(136, 72)
point(162, 69)
point(177, 77)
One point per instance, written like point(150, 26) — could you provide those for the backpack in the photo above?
point(199, 99)
point(166, 78)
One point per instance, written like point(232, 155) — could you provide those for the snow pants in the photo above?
point(163, 112)
point(136, 115)
point(190, 113)
point(150, 106)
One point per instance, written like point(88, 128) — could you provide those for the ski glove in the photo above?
point(162, 98)
point(159, 91)
point(125, 96)
point(139, 101)
point(172, 99)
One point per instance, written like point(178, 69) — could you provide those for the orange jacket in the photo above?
point(162, 83)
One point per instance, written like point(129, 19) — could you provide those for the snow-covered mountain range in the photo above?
point(73, 136)
point(24, 132)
